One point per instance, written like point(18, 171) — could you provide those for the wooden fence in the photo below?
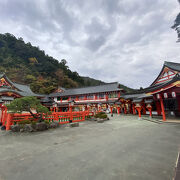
point(9, 119)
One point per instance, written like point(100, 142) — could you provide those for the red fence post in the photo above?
point(118, 110)
point(56, 116)
point(2, 114)
point(8, 123)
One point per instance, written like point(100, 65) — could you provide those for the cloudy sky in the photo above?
point(111, 40)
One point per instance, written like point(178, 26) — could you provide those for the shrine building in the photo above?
point(10, 90)
point(98, 97)
point(161, 98)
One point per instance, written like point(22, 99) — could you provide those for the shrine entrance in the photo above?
point(171, 106)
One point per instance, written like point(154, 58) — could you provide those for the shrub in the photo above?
point(33, 122)
point(101, 115)
point(24, 122)
point(88, 117)
point(104, 116)
point(46, 121)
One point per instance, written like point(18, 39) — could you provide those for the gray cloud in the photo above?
point(118, 40)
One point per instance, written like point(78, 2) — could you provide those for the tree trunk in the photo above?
point(34, 116)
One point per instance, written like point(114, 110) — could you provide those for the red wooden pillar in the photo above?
point(134, 109)
point(125, 109)
point(95, 96)
point(118, 109)
point(111, 108)
point(162, 108)
point(106, 97)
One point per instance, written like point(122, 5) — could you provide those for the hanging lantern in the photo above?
point(148, 106)
point(158, 96)
point(174, 94)
point(165, 95)
point(138, 105)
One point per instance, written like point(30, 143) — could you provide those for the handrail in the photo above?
point(60, 117)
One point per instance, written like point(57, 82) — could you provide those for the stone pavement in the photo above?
point(123, 148)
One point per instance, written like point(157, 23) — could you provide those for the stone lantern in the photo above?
point(118, 107)
point(138, 106)
point(111, 108)
point(149, 106)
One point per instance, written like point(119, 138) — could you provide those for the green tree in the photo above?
point(30, 78)
point(176, 25)
point(28, 104)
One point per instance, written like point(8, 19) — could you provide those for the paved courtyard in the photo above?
point(123, 148)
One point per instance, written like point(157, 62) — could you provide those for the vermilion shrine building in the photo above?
point(10, 90)
point(161, 98)
point(93, 97)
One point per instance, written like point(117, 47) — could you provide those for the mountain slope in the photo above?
point(27, 64)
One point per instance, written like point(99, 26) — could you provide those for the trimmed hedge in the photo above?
point(101, 115)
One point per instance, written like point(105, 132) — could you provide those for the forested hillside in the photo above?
point(27, 64)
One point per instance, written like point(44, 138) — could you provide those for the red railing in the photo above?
point(61, 117)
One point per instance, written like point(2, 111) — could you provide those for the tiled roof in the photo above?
point(22, 90)
point(109, 87)
point(132, 96)
point(7, 98)
point(172, 65)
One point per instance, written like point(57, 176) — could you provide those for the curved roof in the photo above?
point(171, 65)
point(109, 87)
point(20, 89)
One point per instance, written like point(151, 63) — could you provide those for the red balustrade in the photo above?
point(61, 117)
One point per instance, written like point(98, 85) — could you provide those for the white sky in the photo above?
point(125, 41)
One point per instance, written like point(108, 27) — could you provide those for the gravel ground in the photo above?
point(123, 148)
